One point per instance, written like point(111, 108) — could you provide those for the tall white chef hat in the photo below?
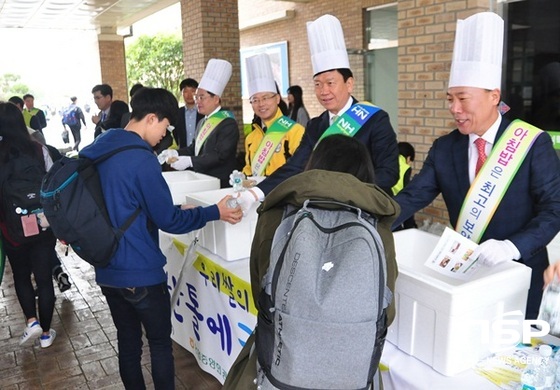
point(477, 54)
point(326, 43)
point(259, 74)
point(216, 76)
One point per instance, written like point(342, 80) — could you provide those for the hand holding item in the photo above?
point(493, 252)
point(182, 163)
point(228, 214)
point(551, 271)
point(168, 156)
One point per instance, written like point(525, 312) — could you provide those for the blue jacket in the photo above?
point(132, 179)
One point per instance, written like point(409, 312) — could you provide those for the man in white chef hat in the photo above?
point(334, 83)
point(214, 149)
point(500, 180)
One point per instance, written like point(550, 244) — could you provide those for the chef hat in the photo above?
point(326, 43)
point(477, 54)
point(259, 74)
point(216, 76)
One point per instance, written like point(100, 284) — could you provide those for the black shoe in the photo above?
point(63, 282)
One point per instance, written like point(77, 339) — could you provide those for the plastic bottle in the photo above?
point(550, 306)
point(540, 372)
point(556, 360)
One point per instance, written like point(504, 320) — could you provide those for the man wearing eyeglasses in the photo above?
point(275, 137)
point(214, 149)
point(103, 97)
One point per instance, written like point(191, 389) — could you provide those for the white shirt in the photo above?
point(342, 111)
point(489, 136)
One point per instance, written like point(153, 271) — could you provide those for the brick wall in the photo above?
point(426, 37)
point(113, 67)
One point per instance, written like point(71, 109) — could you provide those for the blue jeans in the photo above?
point(148, 306)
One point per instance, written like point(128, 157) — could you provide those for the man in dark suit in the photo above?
point(528, 216)
point(334, 83)
point(213, 151)
point(189, 117)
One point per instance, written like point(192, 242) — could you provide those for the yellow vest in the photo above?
point(254, 138)
point(403, 167)
point(27, 115)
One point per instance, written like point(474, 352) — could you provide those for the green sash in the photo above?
point(269, 143)
point(493, 180)
point(208, 127)
point(351, 121)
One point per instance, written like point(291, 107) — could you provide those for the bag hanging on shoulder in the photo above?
point(321, 322)
point(20, 185)
point(74, 205)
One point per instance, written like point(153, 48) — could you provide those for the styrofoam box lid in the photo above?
point(446, 294)
point(181, 183)
point(207, 198)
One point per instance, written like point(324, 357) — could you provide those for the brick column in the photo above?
point(426, 37)
point(112, 60)
point(211, 30)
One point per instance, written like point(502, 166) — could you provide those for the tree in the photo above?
point(156, 61)
point(11, 85)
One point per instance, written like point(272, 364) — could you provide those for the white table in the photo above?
point(212, 308)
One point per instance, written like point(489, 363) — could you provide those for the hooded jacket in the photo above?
point(313, 184)
point(130, 180)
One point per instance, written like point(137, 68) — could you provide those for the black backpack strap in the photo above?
point(120, 231)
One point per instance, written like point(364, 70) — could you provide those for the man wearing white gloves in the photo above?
point(500, 182)
point(213, 151)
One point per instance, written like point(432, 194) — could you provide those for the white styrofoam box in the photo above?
point(181, 183)
point(230, 242)
point(451, 324)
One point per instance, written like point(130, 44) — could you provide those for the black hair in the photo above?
point(297, 93)
point(116, 111)
point(17, 101)
point(14, 137)
point(345, 72)
point(281, 104)
point(340, 153)
point(406, 150)
point(135, 88)
point(158, 101)
point(104, 89)
point(192, 83)
point(28, 95)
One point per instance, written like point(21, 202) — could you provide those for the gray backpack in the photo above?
point(321, 321)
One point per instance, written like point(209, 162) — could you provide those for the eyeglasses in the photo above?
point(200, 98)
point(264, 99)
point(170, 128)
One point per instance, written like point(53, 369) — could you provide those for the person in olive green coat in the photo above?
point(335, 155)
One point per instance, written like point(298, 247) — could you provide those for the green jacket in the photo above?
point(313, 184)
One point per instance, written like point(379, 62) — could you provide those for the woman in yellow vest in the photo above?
point(275, 137)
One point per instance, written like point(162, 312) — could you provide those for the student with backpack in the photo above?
point(134, 282)
point(72, 117)
point(29, 247)
point(339, 170)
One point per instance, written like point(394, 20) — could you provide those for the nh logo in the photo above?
point(360, 112)
point(343, 123)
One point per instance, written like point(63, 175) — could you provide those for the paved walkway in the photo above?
point(84, 354)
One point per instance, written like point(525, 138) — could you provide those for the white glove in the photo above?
point(182, 163)
point(493, 252)
point(167, 154)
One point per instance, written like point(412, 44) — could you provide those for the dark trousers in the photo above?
point(132, 308)
point(76, 134)
point(34, 258)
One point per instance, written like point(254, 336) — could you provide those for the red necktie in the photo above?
point(480, 147)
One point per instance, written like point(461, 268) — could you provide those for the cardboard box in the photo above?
point(182, 183)
point(230, 242)
point(447, 323)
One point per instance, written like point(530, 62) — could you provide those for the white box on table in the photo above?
point(181, 183)
point(445, 322)
point(230, 242)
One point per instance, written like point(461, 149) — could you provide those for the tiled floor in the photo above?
point(84, 354)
